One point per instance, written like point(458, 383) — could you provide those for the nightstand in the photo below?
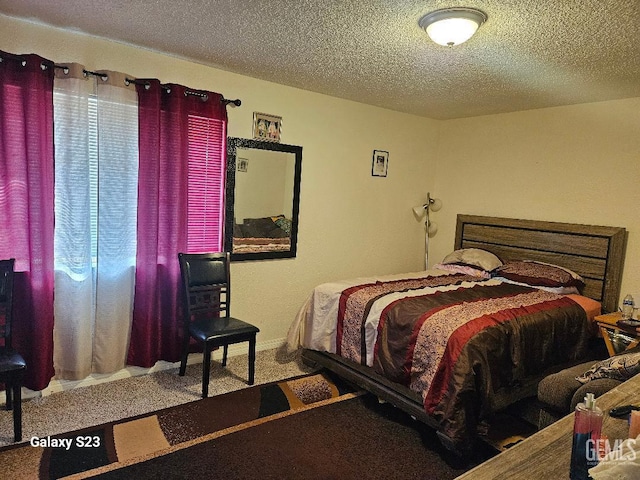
point(616, 338)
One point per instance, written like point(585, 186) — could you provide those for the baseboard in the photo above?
point(96, 378)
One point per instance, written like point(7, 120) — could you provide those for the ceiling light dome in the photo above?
point(452, 26)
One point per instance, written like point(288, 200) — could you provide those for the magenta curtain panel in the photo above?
point(26, 205)
point(164, 113)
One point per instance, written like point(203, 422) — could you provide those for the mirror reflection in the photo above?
point(262, 213)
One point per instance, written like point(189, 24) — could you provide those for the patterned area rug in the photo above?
point(110, 446)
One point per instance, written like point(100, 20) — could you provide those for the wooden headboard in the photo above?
point(594, 252)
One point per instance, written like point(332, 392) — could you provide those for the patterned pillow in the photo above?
point(474, 257)
point(540, 274)
point(620, 367)
point(284, 224)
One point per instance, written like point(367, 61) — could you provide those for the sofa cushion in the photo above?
point(597, 387)
point(556, 401)
point(562, 391)
point(557, 390)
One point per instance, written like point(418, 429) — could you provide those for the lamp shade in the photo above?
point(436, 204)
point(433, 204)
point(452, 26)
point(419, 210)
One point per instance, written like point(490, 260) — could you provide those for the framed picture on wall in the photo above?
point(266, 127)
point(380, 163)
point(242, 164)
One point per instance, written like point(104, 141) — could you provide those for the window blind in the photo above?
point(207, 152)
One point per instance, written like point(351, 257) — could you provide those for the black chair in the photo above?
point(206, 305)
point(12, 365)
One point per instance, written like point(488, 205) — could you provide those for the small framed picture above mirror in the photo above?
point(266, 127)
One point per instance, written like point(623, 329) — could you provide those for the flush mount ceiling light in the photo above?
point(452, 26)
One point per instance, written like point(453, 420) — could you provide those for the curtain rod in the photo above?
point(44, 64)
point(237, 102)
point(13, 56)
point(103, 76)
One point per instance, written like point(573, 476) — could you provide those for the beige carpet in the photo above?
point(107, 402)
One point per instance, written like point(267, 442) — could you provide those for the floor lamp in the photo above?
point(433, 205)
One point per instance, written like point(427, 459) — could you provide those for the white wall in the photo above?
point(264, 190)
point(578, 164)
point(351, 224)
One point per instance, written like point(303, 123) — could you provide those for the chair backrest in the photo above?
point(6, 300)
point(205, 284)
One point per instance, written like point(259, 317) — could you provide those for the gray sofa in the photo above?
point(559, 393)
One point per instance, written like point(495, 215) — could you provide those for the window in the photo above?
point(116, 252)
point(96, 176)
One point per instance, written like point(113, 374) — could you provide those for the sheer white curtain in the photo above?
point(96, 177)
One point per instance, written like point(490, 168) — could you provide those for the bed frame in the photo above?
point(594, 252)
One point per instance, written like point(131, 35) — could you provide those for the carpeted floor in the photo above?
point(348, 439)
point(83, 407)
point(104, 447)
point(310, 427)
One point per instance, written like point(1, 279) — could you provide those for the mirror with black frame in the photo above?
point(262, 199)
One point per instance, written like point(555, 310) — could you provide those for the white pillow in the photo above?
point(463, 269)
point(475, 257)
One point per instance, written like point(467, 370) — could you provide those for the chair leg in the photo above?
point(17, 412)
point(206, 366)
point(252, 359)
point(8, 391)
point(225, 351)
point(185, 354)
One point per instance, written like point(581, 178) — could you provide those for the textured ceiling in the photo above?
point(529, 54)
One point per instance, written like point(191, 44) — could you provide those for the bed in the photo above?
point(265, 234)
point(484, 354)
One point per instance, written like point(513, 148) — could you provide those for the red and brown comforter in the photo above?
point(460, 345)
